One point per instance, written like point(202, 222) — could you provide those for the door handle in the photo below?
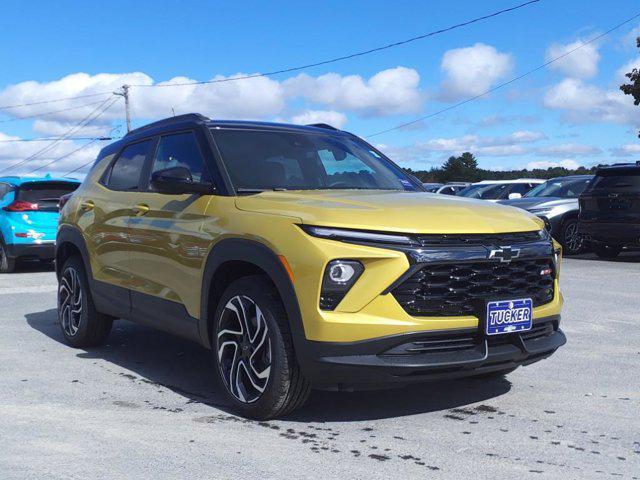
point(87, 206)
point(140, 210)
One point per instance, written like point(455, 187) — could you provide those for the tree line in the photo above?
point(464, 168)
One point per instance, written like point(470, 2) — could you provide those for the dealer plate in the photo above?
point(509, 316)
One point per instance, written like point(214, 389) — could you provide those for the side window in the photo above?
point(4, 188)
point(125, 173)
point(181, 150)
point(520, 188)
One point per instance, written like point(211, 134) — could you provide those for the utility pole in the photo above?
point(125, 93)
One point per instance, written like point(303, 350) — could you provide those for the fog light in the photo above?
point(339, 277)
point(340, 272)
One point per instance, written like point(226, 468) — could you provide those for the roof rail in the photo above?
point(322, 125)
point(193, 117)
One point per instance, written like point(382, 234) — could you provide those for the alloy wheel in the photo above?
point(70, 301)
point(572, 239)
point(244, 349)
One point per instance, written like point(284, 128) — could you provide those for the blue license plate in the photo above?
point(509, 316)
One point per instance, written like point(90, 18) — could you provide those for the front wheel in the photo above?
point(254, 353)
point(606, 251)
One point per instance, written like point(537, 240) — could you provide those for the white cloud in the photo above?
point(568, 164)
point(392, 91)
point(582, 102)
point(626, 68)
point(630, 39)
point(13, 152)
point(628, 150)
point(498, 146)
point(331, 117)
point(582, 63)
point(60, 128)
point(472, 70)
point(569, 149)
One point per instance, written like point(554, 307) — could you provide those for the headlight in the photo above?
point(338, 278)
point(357, 235)
point(544, 212)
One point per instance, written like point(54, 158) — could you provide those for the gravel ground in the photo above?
point(146, 406)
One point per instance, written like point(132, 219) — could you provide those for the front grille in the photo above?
point(479, 239)
point(455, 289)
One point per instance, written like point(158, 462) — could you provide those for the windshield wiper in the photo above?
point(250, 191)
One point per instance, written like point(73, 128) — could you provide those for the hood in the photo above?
point(410, 212)
point(540, 202)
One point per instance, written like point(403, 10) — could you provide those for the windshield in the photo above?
point(618, 179)
point(486, 191)
point(265, 160)
point(560, 188)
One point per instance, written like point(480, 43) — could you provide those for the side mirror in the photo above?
point(177, 180)
point(513, 196)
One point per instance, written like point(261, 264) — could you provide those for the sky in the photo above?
point(570, 113)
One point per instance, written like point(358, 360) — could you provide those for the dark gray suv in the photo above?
point(556, 202)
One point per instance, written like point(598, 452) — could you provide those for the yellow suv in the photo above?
point(303, 258)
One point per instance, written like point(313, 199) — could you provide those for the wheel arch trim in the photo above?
point(262, 257)
point(72, 235)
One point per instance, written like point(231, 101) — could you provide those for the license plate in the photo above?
point(509, 316)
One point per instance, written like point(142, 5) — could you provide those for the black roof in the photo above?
point(193, 119)
point(619, 167)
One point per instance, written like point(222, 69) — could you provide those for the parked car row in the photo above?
point(556, 202)
point(600, 212)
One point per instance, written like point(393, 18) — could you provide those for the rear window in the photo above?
point(45, 194)
point(625, 180)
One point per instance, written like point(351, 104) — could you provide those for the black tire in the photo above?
point(7, 264)
point(244, 359)
point(606, 251)
point(81, 324)
point(572, 242)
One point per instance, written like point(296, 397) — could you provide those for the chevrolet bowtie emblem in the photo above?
point(505, 254)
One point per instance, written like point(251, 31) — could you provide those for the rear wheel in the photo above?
point(572, 241)
point(606, 251)
point(7, 264)
point(254, 353)
point(81, 324)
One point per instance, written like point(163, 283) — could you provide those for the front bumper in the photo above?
point(404, 359)
point(40, 251)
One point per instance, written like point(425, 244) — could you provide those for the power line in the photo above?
point(6, 107)
point(63, 156)
point(36, 115)
point(509, 82)
point(78, 168)
point(85, 121)
point(48, 139)
point(345, 57)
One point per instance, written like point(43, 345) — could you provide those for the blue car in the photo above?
point(29, 217)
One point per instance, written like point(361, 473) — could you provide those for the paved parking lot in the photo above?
point(145, 405)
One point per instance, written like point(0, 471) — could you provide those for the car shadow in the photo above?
point(155, 357)
point(31, 266)
point(624, 257)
